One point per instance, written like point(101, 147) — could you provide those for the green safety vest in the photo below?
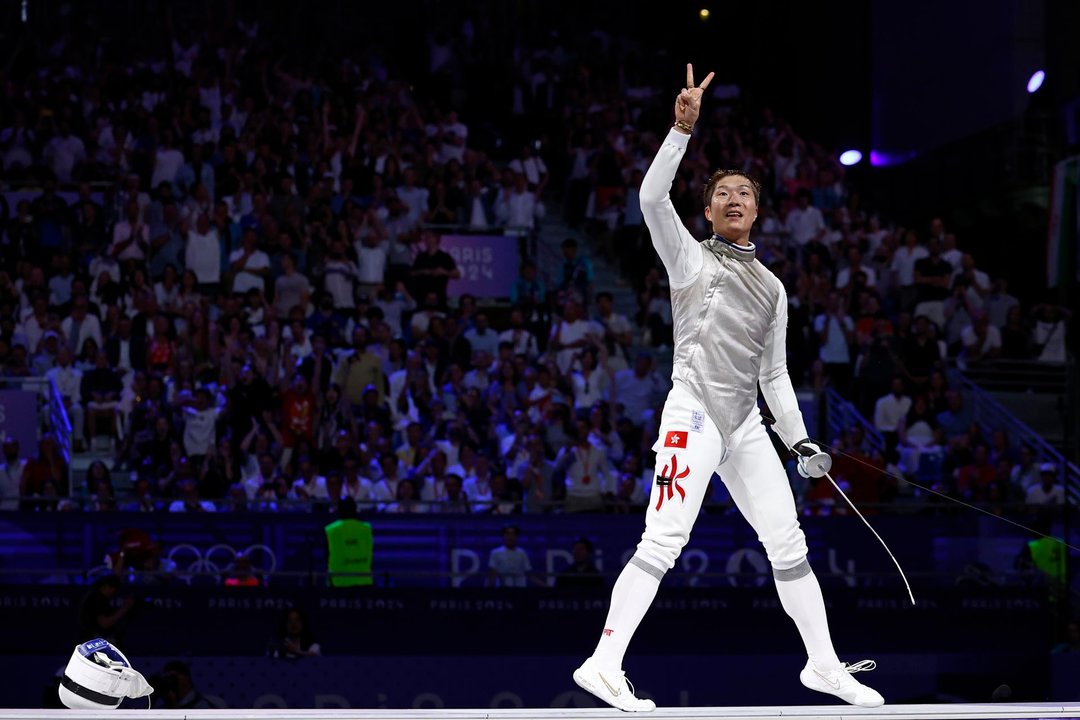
point(349, 543)
point(1049, 556)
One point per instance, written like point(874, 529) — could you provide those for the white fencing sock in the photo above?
point(630, 600)
point(800, 594)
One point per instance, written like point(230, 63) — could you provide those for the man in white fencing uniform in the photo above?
point(730, 316)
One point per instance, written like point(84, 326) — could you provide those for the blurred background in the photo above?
point(333, 345)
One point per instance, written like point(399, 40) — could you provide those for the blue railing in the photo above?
point(841, 416)
point(992, 415)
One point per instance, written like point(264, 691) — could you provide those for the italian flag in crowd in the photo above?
point(1063, 237)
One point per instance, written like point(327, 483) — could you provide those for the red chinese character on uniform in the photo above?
point(668, 482)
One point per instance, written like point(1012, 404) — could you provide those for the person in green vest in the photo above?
point(348, 548)
point(1045, 556)
point(1048, 555)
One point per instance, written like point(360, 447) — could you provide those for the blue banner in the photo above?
point(488, 264)
point(448, 550)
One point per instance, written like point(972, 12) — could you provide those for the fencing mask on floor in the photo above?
point(99, 676)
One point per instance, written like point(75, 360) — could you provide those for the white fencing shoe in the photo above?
point(841, 684)
point(611, 687)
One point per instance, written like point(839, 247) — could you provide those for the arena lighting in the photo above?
point(1035, 81)
point(850, 157)
point(704, 13)
point(879, 158)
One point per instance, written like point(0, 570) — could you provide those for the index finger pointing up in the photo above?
point(689, 76)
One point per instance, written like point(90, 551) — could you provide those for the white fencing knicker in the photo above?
point(688, 451)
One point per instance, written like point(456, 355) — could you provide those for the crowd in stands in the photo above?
point(229, 269)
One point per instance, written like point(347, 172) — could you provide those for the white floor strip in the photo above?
point(958, 711)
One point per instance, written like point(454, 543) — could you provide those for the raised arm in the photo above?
point(677, 248)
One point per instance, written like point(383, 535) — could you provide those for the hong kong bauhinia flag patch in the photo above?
point(675, 439)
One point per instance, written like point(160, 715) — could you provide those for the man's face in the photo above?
point(732, 209)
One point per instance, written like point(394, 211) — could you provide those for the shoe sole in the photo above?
point(597, 693)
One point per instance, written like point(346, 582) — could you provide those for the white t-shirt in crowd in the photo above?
point(511, 566)
point(202, 256)
point(992, 341)
point(835, 347)
point(903, 263)
point(889, 410)
point(243, 280)
point(199, 429)
point(804, 225)
point(371, 263)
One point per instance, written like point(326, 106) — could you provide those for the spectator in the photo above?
point(890, 410)
point(200, 425)
point(1047, 491)
point(532, 168)
point(1071, 643)
point(1048, 335)
point(999, 302)
point(581, 573)
point(933, 277)
point(1025, 474)
point(433, 269)
point(189, 500)
point(519, 207)
point(294, 638)
point(980, 339)
point(131, 237)
point(1015, 337)
point(309, 485)
point(617, 330)
point(508, 564)
point(11, 473)
point(921, 354)
point(957, 419)
point(202, 256)
point(577, 272)
point(846, 279)
point(80, 326)
point(974, 480)
point(522, 342)
point(99, 616)
point(635, 390)
point(571, 335)
point(804, 222)
point(100, 392)
point(68, 380)
point(836, 333)
point(455, 500)
point(587, 473)
point(530, 294)
point(64, 153)
point(249, 265)
point(903, 269)
point(481, 337)
point(477, 485)
point(177, 689)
